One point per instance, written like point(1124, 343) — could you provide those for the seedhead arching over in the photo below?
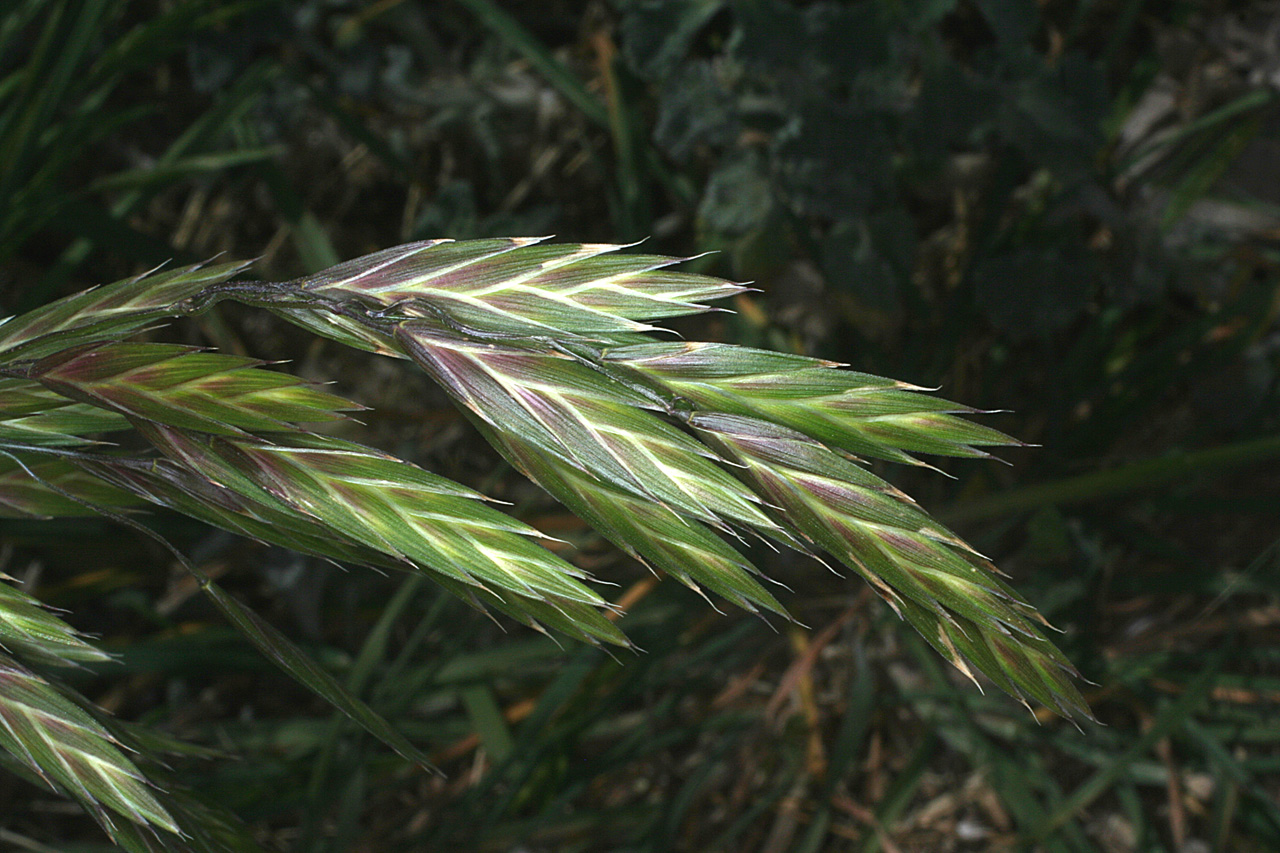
point(680, 453)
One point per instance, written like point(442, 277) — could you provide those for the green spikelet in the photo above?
point(71, 751)
point(866, 415)
point(110, 312)
point(517, 286)
point(31, 631)
point(934, 580)
point(184, 387)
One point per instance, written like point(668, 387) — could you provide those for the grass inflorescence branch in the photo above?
point(679, 453)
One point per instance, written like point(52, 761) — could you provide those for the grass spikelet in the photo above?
point(71, 751)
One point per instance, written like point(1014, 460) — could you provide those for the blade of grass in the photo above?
point(848, 748)
point(783, 782)
point(1200, 178)
point(232, 105)
point(1017, 783)
point(1225, 804)
point(1176, 714)
point(1257, 99)
point(901, 791)
point(667, 836)
point(372, 652)
point(352, 124)
point(281, 651)
point(48, 76)
point(1135, 476)
point(486, 718)
point(84, 219)
point(633, 208)
point(556, 697)
point(186, 167)
point(313, 244)
point(1239, 778)
point(510, 30)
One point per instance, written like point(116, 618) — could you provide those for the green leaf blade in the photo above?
point(303, 669)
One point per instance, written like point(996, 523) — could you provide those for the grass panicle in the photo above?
point(676, 452)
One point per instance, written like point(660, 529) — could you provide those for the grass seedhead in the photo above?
point(673, 451)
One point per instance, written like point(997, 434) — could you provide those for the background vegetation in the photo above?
point(1065, 208)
